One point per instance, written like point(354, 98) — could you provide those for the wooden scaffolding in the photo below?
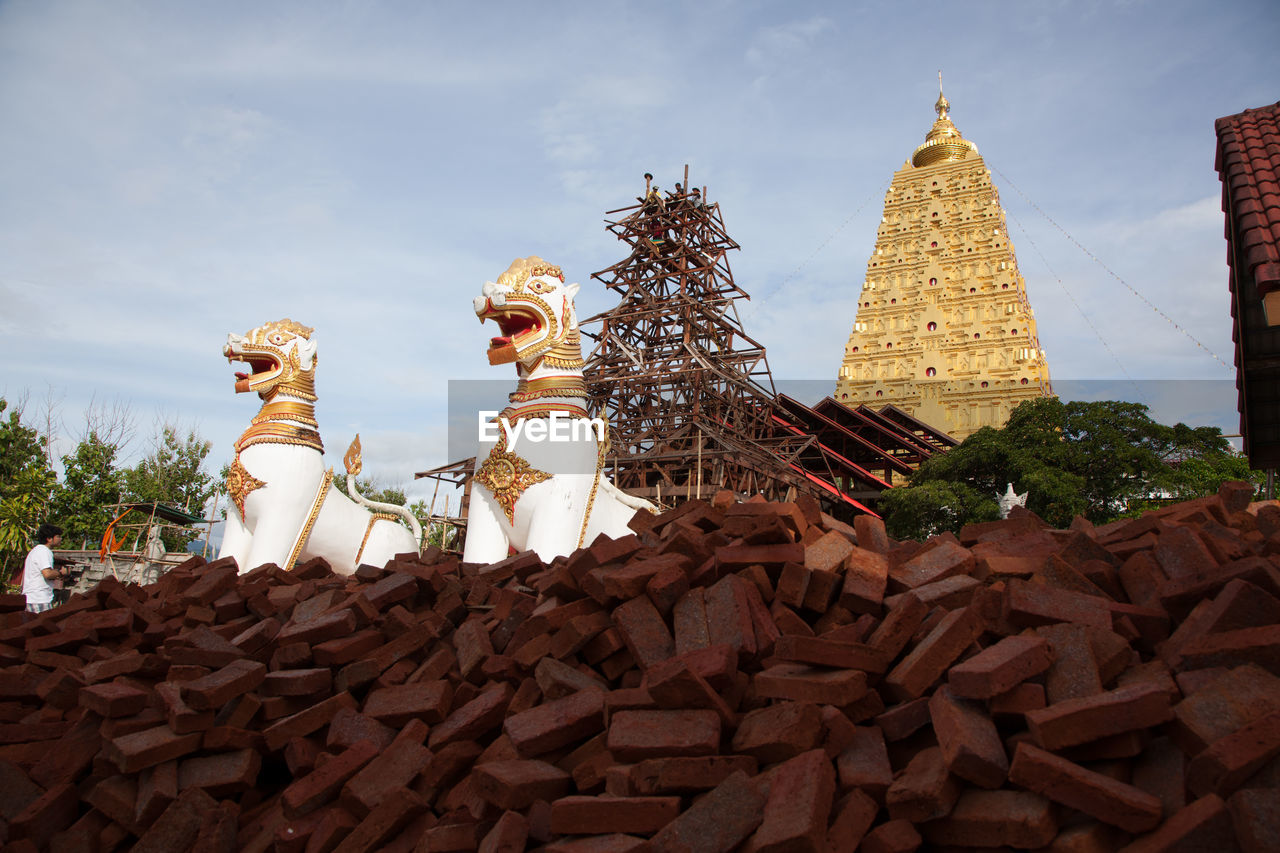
point(689, 396)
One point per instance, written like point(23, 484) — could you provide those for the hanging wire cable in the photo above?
point(1005, 179)
point(1097, 334)
point(795, 272)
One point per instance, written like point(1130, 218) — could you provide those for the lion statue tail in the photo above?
point(353, 464)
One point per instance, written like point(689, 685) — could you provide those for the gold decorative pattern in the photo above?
point(602, 451)
point(520, 413)
point(506, 475)
point(522, 269)
point(279, 432)
point(240, 483)
point(305, 533)
point(549, 386)
point(373, 519)
point(287, 410)
point(353, 460)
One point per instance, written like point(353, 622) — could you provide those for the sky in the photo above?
point(174, 171)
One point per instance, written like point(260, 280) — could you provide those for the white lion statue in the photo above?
point(286, 508)
point(542, 486)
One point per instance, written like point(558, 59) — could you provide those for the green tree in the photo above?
point(173, 473)
point(26, 484)
point(1101, 460)
point(91, 484)
point(372, 490)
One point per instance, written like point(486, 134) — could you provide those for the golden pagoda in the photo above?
point(944, 329)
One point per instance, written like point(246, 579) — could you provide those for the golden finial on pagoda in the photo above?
point(944, 142)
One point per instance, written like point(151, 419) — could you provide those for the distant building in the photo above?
point(1248, 163)
point(944, 329)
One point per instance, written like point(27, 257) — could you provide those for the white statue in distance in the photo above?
point(285, 507)
point(546, 495)
point(1010, 499)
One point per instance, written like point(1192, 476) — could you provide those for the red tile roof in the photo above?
point(1248, 163)
point(1249, 166)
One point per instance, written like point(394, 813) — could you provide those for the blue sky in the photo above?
point(174, 171)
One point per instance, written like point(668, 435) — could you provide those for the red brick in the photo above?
point(637, 735)
point(515, 785)
point(597, 815)
point(811, 684)
point(343, 650)
point(307, 721)
point(1182, 554)
point(864, 763)
point(821, 651)
point(392, 814)
point(778, 732)
point(941, 561)
point(970, 744)
point(476, 718)
point(1028, 604)
point(717, 822)
point(50, 813)
point(999, 668)
point(901, 622)
point(904, 719)
point(1202, 825)
point(865, 577)
point(929, 660)
point(1260, 646)
point(1230, 760)
point(113, 699)
point(134, 752)
point(220, 687)
point(297, 682)
point(894, 836)
point(221, 774)
point(509, 835)
point(871, 534)
point(1074, 671)
point(1230, 702)
point(686, 775)
point(734, 557)
point(1074, 786)
point(428, 701)
point(322, 785)
point(1078, 721)
point(729, 616)
point(179, 827)
point(689, 617)
point(1018, 819)
point(852, 817)
point(673, 685)
point(552, 725)
point(798, 805)
point(828, 552)
point(392, 769)
point(1255, 815)
point(925, 790)
point(1161, 771)
point(644, 631)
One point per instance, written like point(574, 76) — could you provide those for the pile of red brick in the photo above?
point(752, 676)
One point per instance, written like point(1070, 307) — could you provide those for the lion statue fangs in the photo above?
point(515, 503)
point(285, 509)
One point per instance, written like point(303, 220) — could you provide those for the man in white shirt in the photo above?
point(38, 569)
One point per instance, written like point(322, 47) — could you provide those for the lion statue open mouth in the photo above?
point(286, 508)
point(541, 486)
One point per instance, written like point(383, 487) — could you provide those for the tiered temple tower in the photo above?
point(944, 329)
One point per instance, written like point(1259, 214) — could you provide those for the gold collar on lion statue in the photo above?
point(534, 309)
point(281, 356)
